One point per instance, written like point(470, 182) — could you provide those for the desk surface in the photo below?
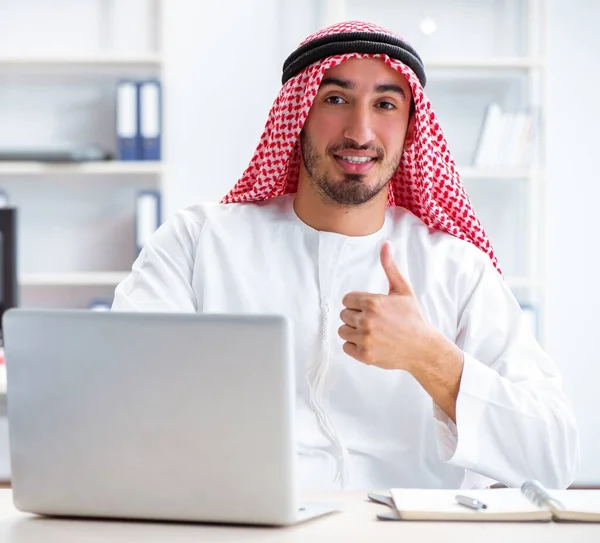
point(356, 522)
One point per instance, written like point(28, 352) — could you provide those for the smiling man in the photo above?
point(415, 366)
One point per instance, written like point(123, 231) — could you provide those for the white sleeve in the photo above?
point(513, 421)
point(161, 277)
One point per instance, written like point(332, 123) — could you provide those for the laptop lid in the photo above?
point(158, 416)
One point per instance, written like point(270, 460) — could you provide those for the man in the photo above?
point(415, 367)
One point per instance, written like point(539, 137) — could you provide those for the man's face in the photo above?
point(354, 135)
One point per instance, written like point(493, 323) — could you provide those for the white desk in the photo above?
point(356, 523)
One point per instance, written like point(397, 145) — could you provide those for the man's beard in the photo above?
point(350, 189)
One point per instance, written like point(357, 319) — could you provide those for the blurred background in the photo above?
point(115, 114)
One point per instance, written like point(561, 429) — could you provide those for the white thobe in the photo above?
point(360, 426)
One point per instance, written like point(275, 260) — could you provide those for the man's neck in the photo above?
point(360, 220)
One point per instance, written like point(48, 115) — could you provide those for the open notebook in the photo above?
point(530, 503)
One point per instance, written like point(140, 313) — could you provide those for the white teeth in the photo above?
point(357, 159)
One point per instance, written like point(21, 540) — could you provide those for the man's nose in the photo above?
point(359, 126)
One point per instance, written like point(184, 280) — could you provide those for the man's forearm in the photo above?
point(439, 373)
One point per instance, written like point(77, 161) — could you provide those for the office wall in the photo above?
point(220, 81)
point(572, 210)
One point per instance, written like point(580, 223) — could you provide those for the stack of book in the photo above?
point(506, 138)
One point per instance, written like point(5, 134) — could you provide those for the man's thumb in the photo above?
point(398, 285)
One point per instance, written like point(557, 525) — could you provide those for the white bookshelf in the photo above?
point(80, 74)
point(476, 63)
point(88, 62)
point(108, 168)
point(109, 278)
point(485, 63)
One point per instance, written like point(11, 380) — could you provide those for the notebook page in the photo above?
point(435, 504)
point(579, 504)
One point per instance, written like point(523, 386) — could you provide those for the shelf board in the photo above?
point(485, 63)
point(522, 282)
point(93, 61)
point(111, 278)
point(81, 168)
point(150, 167)
point(156, 60)
point(471, 172)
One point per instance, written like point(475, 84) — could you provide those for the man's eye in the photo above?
point(386, 105)
point(334, 100)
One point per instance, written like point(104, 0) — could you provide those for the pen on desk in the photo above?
point(471, 503)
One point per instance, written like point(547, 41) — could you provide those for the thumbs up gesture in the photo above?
point(387, 330)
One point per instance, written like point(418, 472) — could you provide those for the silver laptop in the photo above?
point(160, 416)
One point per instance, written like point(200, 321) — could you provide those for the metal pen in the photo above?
point(471, 503)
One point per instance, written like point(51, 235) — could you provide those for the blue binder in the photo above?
point(128, 120)
point(150, 99)
point(147, 216)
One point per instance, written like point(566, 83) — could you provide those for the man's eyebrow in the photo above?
point(390, 87)
point(334, 81)
point(349, 85)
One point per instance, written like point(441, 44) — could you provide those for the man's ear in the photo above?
point(410, 132)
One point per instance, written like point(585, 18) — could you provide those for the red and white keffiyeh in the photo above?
point(426, 181)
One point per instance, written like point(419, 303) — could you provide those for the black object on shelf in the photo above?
point(9, 288)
